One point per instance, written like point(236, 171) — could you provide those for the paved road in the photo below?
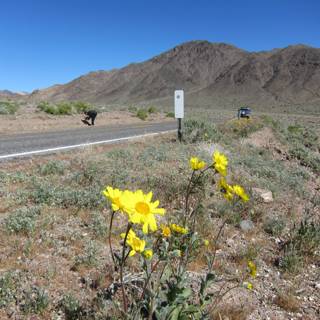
point(34, 143)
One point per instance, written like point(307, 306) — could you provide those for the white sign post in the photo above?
point(179, 110)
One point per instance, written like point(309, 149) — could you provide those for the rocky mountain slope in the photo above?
point(205, 71)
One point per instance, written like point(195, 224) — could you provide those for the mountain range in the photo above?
point(207, 72)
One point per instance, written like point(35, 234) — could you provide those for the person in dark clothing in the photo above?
point(91, 114)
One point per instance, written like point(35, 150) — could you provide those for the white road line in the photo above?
point(21, 154)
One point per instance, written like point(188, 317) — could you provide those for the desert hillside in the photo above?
point(207, 72)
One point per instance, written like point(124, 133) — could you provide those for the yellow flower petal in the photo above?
point(220, 162)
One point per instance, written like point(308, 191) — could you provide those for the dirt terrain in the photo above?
point(54, 257)
point(38, 121)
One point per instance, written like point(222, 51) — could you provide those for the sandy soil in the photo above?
point(39, 121)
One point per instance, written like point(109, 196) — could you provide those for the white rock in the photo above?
point(264, 194)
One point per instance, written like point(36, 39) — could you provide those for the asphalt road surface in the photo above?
point(19, 145)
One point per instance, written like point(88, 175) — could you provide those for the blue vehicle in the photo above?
point(244, 112)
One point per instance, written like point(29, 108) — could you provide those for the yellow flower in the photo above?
point(206, 243)
point(166, 232)
point(220, 162)
point(196, 164)
point(239, 191)
point(141, 210)
point(136, 244)
point(148, 253)
point(178, 229)
point(226, 189)
point(248, 285)
point(253, 269)
point(114, 195)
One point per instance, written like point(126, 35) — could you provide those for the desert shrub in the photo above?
point(47, 107)
point(132, 109)
point(90, 256)
point(7, 289)
point(291, 261)
point(271, 122)
point(287, 301)
point(304, 240)
point(305, 237)
point(306, 157)
point(8, 107)
point(270, 173)
point(98, 224)
point(170, 115)
point(43, 193)
point(52, 167)
point(22, 220)
point(88, 174)
point(152, 153)
point(35, 300)
point(198, 130)
point(71, 307)
point(142, 114)
point(64, 108)
point(78, 198)
point(80, 106)
point(241, 128)
point(152, 109)
point(46, 193)
point(274, 226)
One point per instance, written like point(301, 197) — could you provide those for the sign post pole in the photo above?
point(179, 110)
point(179, 130)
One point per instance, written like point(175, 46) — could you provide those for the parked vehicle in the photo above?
point(244, 112)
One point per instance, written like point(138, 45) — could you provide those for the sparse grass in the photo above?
point(52, 167)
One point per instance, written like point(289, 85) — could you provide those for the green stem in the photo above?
point(187, 198)
point(148, 279)
point(125, 305)
point(109, 238)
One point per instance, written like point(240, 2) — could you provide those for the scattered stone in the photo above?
point(317, 286)
point(246, 225)
point(264, 194)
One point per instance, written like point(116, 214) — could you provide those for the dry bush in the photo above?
point(287, 301)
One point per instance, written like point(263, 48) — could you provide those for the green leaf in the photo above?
point(175, 313)
point(186, 293)
point(210, 277)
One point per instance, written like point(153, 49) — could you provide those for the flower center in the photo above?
point(117, 202)
point(143, 208)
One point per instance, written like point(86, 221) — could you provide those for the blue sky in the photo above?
point(47, 42)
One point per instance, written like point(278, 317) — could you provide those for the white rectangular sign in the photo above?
point(179, 104)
